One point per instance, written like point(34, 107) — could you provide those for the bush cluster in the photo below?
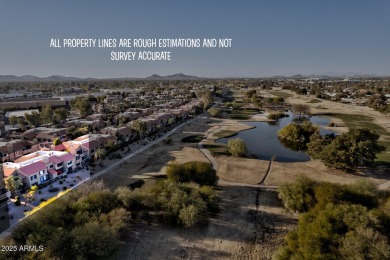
point(199, 172)
point(336, 221)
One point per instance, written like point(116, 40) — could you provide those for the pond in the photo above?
point(263, 141)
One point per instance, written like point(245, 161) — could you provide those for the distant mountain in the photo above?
point(173, 76)
point(26, 78)
point(179, 76)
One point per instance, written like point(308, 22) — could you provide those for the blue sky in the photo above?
point(269, 37)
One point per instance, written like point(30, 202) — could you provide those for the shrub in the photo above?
point(167, 140)
point(54, 189)
point(299, 195)
point(214, 112)
point(276, 115)
point(60, 182)
point(198, 172)
point(64, 188)
point(237, 147)
point(17, 203)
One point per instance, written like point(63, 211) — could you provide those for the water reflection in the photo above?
point(264, 143)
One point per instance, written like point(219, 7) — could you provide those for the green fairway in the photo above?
point(225, 133)
point(242, 113)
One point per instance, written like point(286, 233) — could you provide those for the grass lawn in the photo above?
point(242, 113)
point(217, 149)
point(225, 133)
point(281, 94)
point(192, 139)
point(362, 121)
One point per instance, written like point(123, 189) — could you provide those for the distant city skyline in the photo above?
point(268, 37)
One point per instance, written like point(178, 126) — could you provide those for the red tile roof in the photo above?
point(55, 159)
point(52, 171)
point(67, 157)
point(60, 147)
point(91, 145)
point(33, 168)
point(8, 171)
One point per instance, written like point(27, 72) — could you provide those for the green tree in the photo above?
point(94, 241)
point(100, 153)
point(365, 243)
point(320, 232)
point(83, 106)
point(237, 147)
point(198, 172)
point(57, 141)
point(61, 114)
point(297, 134)
point(317, 144)
point(30, 195)
point(385, 109)
point(22, 123)
point(299, 195)
point(357, 147)
point(33, 119)
point(301, 109)
point(47, 115)
point(140, 127)
point(207, 98)
point(377, 102)
point(13, 120)
point(13, 184)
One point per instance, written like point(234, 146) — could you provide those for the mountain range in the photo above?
point(177, 76)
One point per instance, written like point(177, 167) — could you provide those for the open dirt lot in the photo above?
point(286, 172)
point(249, 171)
point(240, 231)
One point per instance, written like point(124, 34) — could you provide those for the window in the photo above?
point(42, 172)
point(34, 177)
point(70, 163)
point(59, 165)
point(77, 157)
point(51, 166)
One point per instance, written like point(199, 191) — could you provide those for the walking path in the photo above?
point(117, 163)
point(384, 186)
point(212, 160)
point(267, 172)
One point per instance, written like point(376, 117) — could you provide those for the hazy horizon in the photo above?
point(268, 38)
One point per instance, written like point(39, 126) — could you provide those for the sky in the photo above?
point(268, 37)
